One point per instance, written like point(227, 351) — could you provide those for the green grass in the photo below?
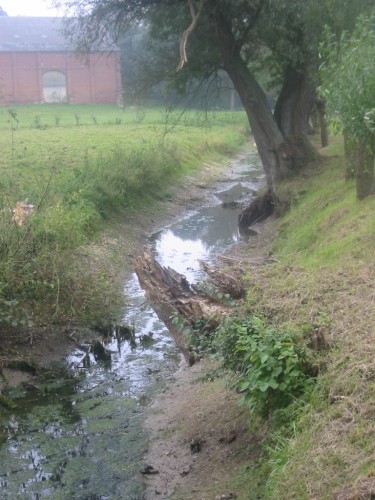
point(29, 154)
point(327, 224)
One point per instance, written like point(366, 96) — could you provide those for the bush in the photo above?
point(67, 226)
point(268, 364)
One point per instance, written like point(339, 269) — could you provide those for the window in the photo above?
point(54, 86)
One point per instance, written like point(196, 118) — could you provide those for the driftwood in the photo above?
point(171, 296)
point(227, 283)
point(251, 261)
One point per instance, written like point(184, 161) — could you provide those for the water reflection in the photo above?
point(212, 229)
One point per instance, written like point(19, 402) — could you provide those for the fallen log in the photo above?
point(171, 296)
point(227, 283)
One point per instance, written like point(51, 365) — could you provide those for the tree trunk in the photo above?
point(365, 180)
point(314, 119)
point(268, 138)
point(292, 113)
point(321, 107)
point(350, 159)
point(287, 102)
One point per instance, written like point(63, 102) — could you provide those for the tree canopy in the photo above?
point(198, 38)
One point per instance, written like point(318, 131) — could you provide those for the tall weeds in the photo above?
point(44, 272)
point(121, 179)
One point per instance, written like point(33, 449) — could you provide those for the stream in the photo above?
point(78, 434)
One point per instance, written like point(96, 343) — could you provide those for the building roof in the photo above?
point(34, 34)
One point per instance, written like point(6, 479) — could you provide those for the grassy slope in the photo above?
point(322, 282)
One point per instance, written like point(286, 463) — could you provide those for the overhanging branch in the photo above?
point(185, 35)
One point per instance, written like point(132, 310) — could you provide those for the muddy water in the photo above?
point(78, 434)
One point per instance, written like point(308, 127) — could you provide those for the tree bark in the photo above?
point(321, 108)
point(350, 159)
point(292, 113)
point(365, 180)
point(228, 284)
point(287, 102)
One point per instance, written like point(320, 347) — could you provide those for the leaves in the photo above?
point(348, 76)
point(268, 363)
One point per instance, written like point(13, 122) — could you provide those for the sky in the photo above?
point(29, 8)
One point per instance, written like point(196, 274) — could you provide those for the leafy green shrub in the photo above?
point(268, 364)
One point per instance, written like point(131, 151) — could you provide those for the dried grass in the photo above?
point(336, 442)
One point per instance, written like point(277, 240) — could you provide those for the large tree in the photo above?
point(205, 36)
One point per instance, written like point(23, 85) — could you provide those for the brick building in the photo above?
point(38, 66)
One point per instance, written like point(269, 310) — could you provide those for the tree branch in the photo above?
point(185, 35)
point(250, 26)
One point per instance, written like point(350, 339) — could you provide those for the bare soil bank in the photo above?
point(199, 438)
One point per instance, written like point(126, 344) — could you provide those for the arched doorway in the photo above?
point(54, 86)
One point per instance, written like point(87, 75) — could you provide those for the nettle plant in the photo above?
point(268, 364)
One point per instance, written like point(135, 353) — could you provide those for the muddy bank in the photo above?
point(199, 438)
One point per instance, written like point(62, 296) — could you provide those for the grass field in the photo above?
point(80, 165)
point(35, 140)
